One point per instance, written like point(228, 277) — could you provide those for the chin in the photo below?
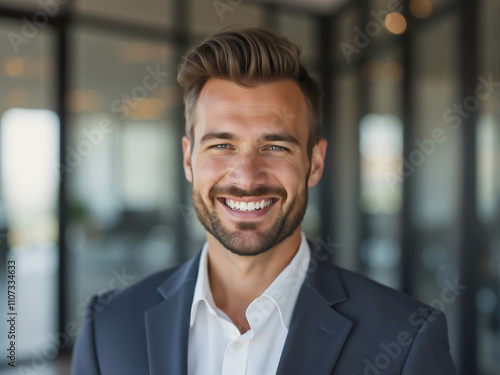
point(244, 242)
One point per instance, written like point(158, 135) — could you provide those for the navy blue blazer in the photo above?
point(343, 324)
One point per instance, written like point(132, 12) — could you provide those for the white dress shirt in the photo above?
point(216, 346)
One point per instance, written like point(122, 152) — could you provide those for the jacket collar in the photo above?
point(167, 323)
point(314, 340)
point(317, 332)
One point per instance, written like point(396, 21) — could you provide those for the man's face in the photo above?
point(248, 163)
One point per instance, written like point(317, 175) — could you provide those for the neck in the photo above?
point(235, 281)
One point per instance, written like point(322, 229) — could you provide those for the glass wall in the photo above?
point(29, 155)
point(434, 166)
point(120, 162)
point(381, 153)
point(395, 150)
point(488, 188)
point(346, 109)
point(398, 149)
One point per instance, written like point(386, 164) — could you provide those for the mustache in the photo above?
point(240, 193)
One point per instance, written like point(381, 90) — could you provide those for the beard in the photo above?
point(247, 239)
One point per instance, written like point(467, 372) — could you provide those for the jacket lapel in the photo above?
point(317, 332)
point(315, 338)
point(167, 323)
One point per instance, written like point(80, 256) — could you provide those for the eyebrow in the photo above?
point(266, 137)
point(282, 138)
point(217, 135)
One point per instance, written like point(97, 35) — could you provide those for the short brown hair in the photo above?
point(248, 57)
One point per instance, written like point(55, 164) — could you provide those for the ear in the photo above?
point(186, 151)
point(317, 162)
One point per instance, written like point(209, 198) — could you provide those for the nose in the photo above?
point(248, 170)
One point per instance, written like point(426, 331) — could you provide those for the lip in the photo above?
point(241, 215)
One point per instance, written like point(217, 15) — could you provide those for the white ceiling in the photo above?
point(319, 6)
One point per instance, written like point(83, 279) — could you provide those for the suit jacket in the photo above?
point(343, 324)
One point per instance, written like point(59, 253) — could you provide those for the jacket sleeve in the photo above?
point(84, 360)
point(430, 351)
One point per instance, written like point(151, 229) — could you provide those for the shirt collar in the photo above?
point(202, 290)
point(283, 291)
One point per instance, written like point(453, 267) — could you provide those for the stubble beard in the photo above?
point(247, 240)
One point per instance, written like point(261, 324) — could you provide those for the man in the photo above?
point(257, 299)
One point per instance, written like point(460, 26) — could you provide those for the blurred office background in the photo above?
point(93, 197)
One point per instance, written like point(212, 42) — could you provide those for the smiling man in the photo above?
point(257, 299)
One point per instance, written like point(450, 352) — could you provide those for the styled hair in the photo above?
point(248, 57)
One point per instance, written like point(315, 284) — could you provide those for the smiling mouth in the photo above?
point(244, 206)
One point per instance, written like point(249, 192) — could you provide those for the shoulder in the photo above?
point(121, 313)
point(361, 289)
point(390, 324)
point(368, 303)
point(385, 313)
point(115, 322)
point(135, 298)
point(371, 303)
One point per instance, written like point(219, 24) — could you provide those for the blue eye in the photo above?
point(277, 148)
point(220, 146)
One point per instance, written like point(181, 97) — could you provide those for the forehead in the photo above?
point(277, 106)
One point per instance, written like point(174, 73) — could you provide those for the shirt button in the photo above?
point(237, 345)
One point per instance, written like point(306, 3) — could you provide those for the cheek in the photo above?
point(208, 172)
point(290, 175)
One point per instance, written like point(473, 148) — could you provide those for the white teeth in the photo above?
point(250, 206)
